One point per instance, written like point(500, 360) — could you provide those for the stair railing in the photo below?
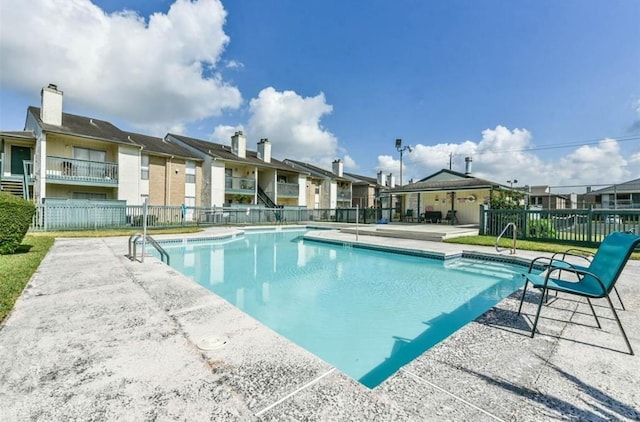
point(512, 250)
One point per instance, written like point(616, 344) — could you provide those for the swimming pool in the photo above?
point(366, 312)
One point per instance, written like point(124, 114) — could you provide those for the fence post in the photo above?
point(525, 231)
point(589, 225)
point(482, 230)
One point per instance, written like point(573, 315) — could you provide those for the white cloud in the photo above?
point(349, 163)
point(154, 74)
point(503, 154)
point(602, 162)
point(222, 134)
point(292, 124)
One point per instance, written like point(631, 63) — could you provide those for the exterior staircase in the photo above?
point(14, 187)
point(264, 199)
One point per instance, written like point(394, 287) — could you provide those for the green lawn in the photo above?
point(527, 245)
point(16, 269)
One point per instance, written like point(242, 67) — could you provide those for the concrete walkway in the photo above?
point(98, 337)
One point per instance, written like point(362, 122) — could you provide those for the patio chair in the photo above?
point(586, 256)
point(592, 282)
point(408, 216)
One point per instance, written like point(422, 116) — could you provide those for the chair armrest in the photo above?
point(579, 272)
point(541, 258)
point(578, 253)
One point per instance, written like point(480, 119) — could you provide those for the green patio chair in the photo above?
point(592, 282)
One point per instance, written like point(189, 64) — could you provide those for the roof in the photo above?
point(85, 127)
point(362, 180)
point(448, 180)
point(160, 146)
point(23, 134)
point(630, 186)
point(223, 152)
point(543, 190)
point(315, 171)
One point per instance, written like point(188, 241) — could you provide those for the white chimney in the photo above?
point(264, 150)
point(239, 144)
point(392, 181)
point(337, 168)
point(382, 178)
point(467, 162)
point(51, 107)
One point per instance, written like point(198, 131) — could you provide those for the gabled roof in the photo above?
point(85, 127)
point(152, 144)
point(448, 180)
point(22, 134)
point(315, 171)
point(357, 179)
point(223, 152)
point(626, 187)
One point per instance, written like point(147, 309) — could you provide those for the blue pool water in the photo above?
point(364, 311)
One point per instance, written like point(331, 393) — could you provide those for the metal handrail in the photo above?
point(133, 239)
point(513, 249)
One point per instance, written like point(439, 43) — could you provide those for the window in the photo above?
point(282, 179)
point(144, 167)
point(89, 154)
point(190, 172)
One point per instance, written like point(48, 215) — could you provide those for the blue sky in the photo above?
point(546, 92)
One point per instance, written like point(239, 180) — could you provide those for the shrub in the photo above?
point(541, 229)
point(15, 214)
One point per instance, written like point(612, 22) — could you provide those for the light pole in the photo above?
point(512, 182)
point(401, 149)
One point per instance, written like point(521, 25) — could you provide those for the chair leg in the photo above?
point(593, 311)
point(615, 314)
point(619, 298)
point(535, 322)
point(524, 292)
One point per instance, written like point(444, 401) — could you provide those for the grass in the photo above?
point(17, 269)
point(527, 245)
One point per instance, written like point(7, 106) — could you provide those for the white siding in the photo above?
point(217, 184)
point(129, 175)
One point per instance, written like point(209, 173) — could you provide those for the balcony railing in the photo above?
point(289, 190)
point(72, 170)
point(239, 185)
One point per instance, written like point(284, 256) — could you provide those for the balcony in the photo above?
point(288, 190)
point(73, 171)
point(239, 185)
point(344, 194)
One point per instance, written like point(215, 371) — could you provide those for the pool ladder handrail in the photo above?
point(133, 239)
point(512, 250)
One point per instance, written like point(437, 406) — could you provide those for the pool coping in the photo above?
point(488, 370)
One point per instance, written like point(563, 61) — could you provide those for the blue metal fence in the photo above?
point(60, 215)
point(588, 226)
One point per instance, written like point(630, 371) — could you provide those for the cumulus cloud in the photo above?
point(601, 162)
point(503, 154)
point(155, 74)
point(292, 124)
point(349, 163)
point(222, 134)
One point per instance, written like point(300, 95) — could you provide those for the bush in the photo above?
point(541, 229)
point(15, 214)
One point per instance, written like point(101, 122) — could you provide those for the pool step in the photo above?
point(491, 268)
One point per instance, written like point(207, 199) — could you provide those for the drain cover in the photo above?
point(212, 343)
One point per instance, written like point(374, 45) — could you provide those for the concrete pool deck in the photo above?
point(95, 336)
